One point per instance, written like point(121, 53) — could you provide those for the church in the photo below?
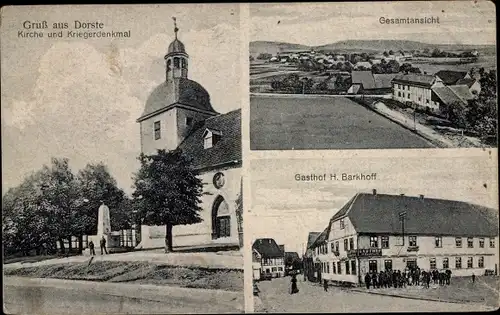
point(179, 114)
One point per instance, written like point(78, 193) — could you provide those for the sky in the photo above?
point(80, 99)
point(287, 210)
point(315, 24)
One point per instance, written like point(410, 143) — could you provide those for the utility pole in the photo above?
point(402, 218)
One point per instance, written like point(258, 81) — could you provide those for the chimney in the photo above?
point(282, 248)
point(421, 196)
point(374, 192)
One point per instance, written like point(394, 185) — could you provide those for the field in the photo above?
point(298, 122)
point(137, 272)
point(486, 61)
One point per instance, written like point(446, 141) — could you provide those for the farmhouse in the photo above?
point(368, 83)
point(417, 89)
point(374, 232)
point(271, 255)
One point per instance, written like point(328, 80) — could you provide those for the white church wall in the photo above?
point(201, 233)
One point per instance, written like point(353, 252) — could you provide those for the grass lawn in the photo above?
point(138, 272)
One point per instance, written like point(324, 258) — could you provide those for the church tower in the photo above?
point(176, 106)
point(176, 58)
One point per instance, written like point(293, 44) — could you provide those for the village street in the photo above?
point(275, 297)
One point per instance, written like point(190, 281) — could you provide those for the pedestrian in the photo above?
point(374, 280)
point(91, 247)
point(368, 280)
point(428, 279)
point(448, 278)
point(256, 289)
point(294, 288)
point(473, 278)
point(103, 245)
point(325, 285)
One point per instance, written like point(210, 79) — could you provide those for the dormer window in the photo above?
point(189, 121)
point(211, 137)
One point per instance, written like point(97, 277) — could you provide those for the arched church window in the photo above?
point(184, 63)
point(169, 64)
point(221, 219)
point(176, 62)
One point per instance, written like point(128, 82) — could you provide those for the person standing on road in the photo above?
point(103, 245)
point(294, 288)
point(473, 278)
point(368, 280)
point(325, 285)
point(91, 247)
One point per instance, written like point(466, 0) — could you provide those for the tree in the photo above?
point(97, 186)
point(386, 54)
point(392, 67)
point(168, 191)
point(24, 223)
point(62, 200)
point(482, 112)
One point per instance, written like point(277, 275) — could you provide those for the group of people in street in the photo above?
point(409, 277)
point(102, 244)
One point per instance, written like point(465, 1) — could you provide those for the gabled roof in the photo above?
point(267, 248)
point(383, 80)
point(292, 255)
point(365, 64)
point(450, 77)
point(468, 82)
point(365, 78)
point(311, 238)
point(379, 213)
point(447, 96)
point(226, 150)
point(462, 91)
point(415, 79)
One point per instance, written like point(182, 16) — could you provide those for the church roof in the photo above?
point(180, 91)
point(176, 47)
point(226, 150)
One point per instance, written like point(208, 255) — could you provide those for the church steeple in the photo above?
point(176, 58)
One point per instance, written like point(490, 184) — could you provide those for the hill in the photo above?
point(259, 47)
point(383, 44)
point(378, 45)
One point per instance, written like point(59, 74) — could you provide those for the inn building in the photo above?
point(374, 232)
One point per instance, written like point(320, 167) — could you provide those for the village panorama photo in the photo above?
point(361, 75)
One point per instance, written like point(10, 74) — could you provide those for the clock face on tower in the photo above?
point(219, 180)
